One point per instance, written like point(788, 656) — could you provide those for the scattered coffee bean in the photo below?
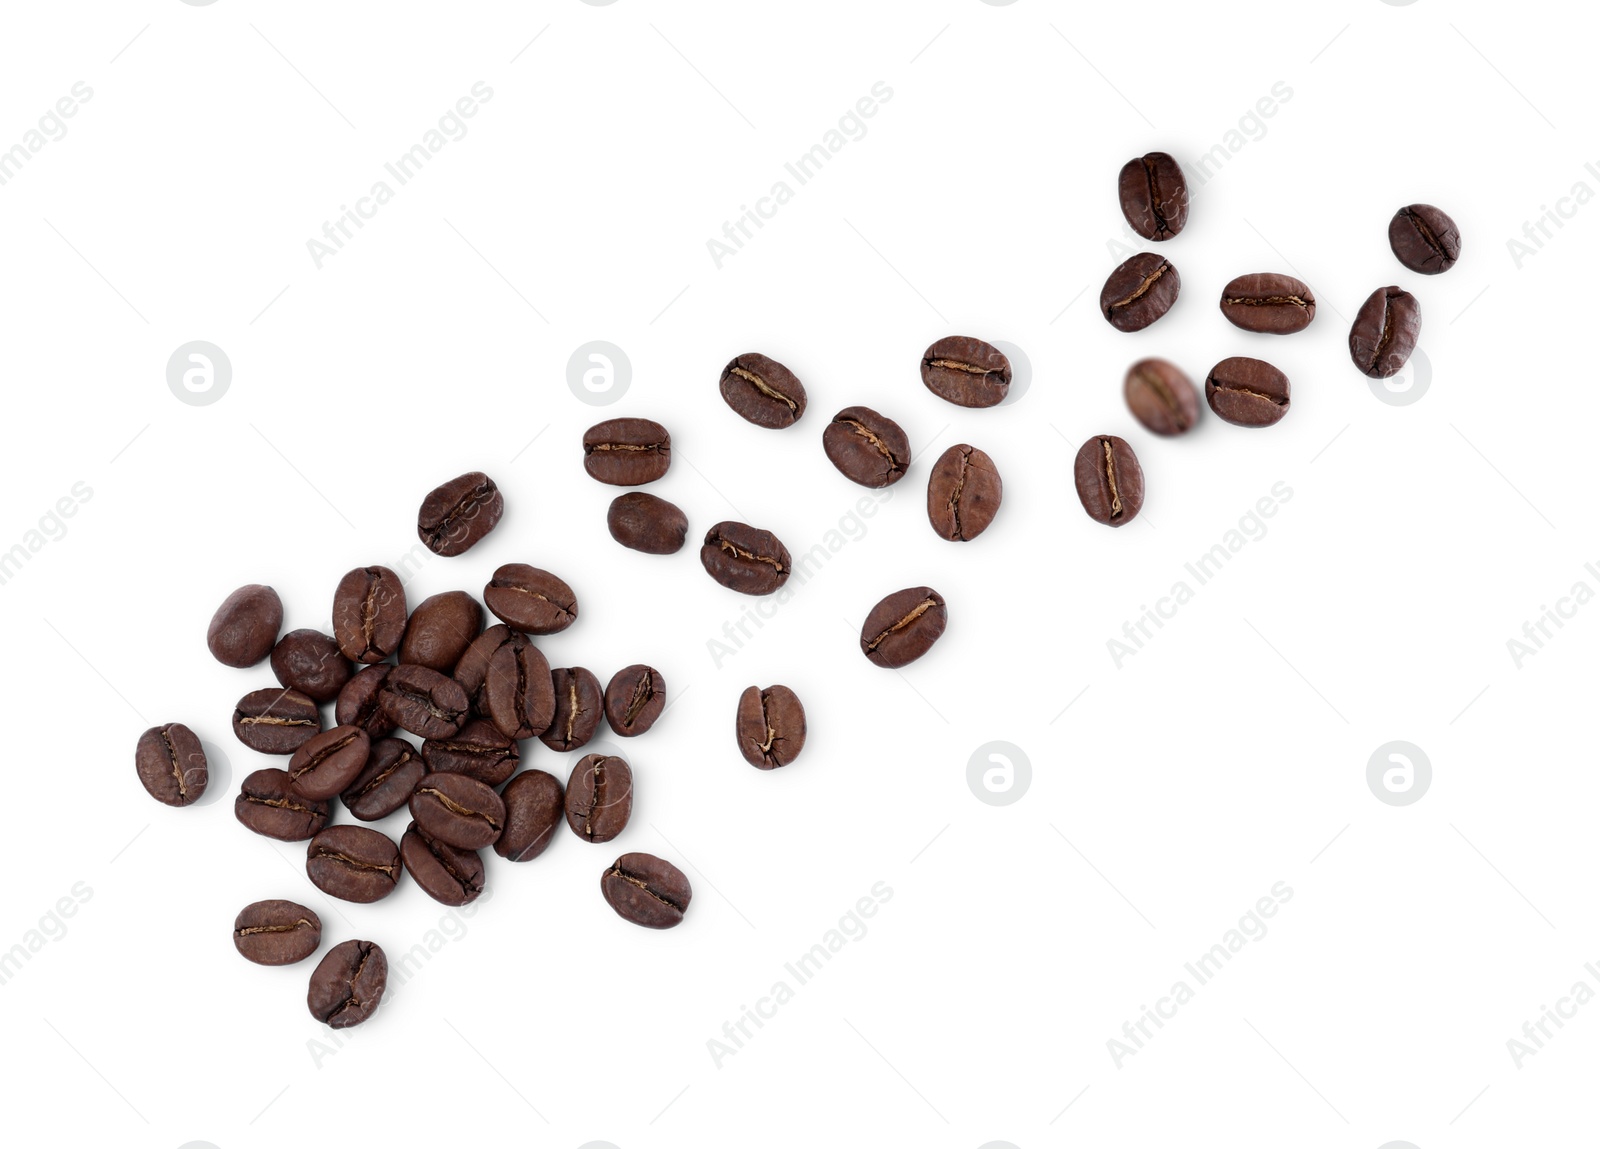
point(642, 522)
point(531, 600)
point(369, 614)
point(627, 452)
point(360, 703)
point(903, 626)
point(963, 493)
point(535, 806)
point(348, 984)
point(268, 805)
point(1424, 239)
point(968, 372)
point(579, 706)
point(478, 751)
point(868, 448)
point(353, 863)
point(276, 721)
point(472, 671)
point(440, 630)
point(444, 872)
point(456, 516)
point(763, 391)
point(171, 764)
point(423, 702)
point(1154, 196)
point(1248, 392)
point(311, 662)
point(458, 810)
point(646, 891)
point(1161, 397)
point(635, 698)
point(519, 692)
point(1140, 291)
point(385, 784)
point(1268, 303)
point(276, 932)
point(771, 726)
point(1109, 479)
point(245, 627)
point(599, 797)
point(324, 767)
point(745, 558)
point(1385, 332)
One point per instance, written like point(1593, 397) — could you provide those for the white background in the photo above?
point(1226, 756)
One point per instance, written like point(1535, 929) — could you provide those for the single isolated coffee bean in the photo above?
point(326, 766)
point(276, 932)
point(353, 863)
point(458, 810)
point(424, 702)
point(369, 614)
point(478, 751)
point(472, 671)
point(348, 984)
point(599, 797)
point(642, 522)
point(1154, 196)
point(245, 628)
point(360, 703)
point(963, 493)
point(903, 626)
point(311, 662)
point(276, 721)
point(268, 805)
point(1385, 332)
point(771, 726)
point(385, 784)
point(1247, 392)
point(763, 391)
point(745, 558)
point(171, 764)
point(1109, 479)
point(446, 874)
point(1161, 397)
point(627, 452)
point(1140, 291)
point(440, 630)
point(519, 692)
point(456, 516)
point(967, 372)
point(646, 891)
point(1268, 303)
point(580, 704)
point(866, 447)
point(535, 806)
point(635, 698)
point(1424, 239)
point(531, 600)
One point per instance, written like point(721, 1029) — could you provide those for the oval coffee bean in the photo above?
point(642, 522)
point(968, 372)
point(1154, 196)
point(963, 493)
point(903, 626)
point(519, 692)
point(1161, 397)
point(1248, 392)
point(245, 628)
point(531, 600)
point(472, 671)
point(458, 810)
point(1268, 303)
point(171, 764)
point(385, 784)
point(445, 873)
point(627, 452)
point(456, 516)
point(369, 614)
point(478, 751)
point(1109, 479)
point(1140, 291)
point(771, 726)
point(635, 698)
point(745, 558)
point(535, 806)
point(360, 703)
point(599, 797)
point(353, 863)
point(348, 984)
point(1385, 332)
point(579, 705)
point(440, 630)
point(1424, 239)
point(324, 767)
point(276, 721)
point(646, 891)
point(763, 391)
point(276, 932)
point(423, 702)
point(311, 662)
point(267, 805)
point(866, 447)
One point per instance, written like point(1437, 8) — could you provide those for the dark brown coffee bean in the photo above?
point(1385, 332)
point(535, 806)
point(579, 706)
point(267, 805)
point(903, 626)
point(519, 693)
point(635, 698)
point(599, 797)
point(369, 614)
point(968, 372)
point(360, 703)
point(1268, 303)
point(1109, 479)
point(385, 784)
point(311, 662)
point(424, 702)
point(445, 873)
point(1154, 196)
point(745, 558)
point(478, 751)
point(472, 671)
point(646, 891)
point(171, 764)
point(456, 516)
point(324, 767)
point(276, 932)
point(1161, 397)
point(763, 391)
point(963, 493)
point(531, 600)
point(276, 721)
point(1425, 239)
point(245, 627)
point(440, 630)
point(459, 810)
point(1140, 291)
point(627, 452)
point(868, 448)
point(348, 984)
point(1248, 392)
point(771, 726)
point(642, 522)
point(353, 863)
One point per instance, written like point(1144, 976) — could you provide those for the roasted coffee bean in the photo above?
point(445, 873)
point(353, 863)
point(369, 614)
point(385, 784)
point(770, 726)
point(424, 702)
point(245, 627)
point(1385, 332)
point(963, 493)
point(635, 698)
point(1248, 392)
point(535, 806)
point(627, 452)
point(1161, 397)
point(440, 630)
point(1425, 239)
point(324, 767)
point(360, 703)
point(171, 764)
point(459, 810)
point(599, 797)
point(642, 522)
point(478, 751)
point(311, 662)
point(745, 558)
point(473, 669)
point(903, 626)
point(276, 932)
point(868, 448)
point(579, 706)
point(348, 984)
point(276, 721)
point(646, 891)
point(1154, 196)
point(519, 692)
point(531, 600)
point(456, 516)
point(968, 372)
point(1268, 303)
point(1140, 291)
point(763, 391)
point(267, 805)
point(1109, 479)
